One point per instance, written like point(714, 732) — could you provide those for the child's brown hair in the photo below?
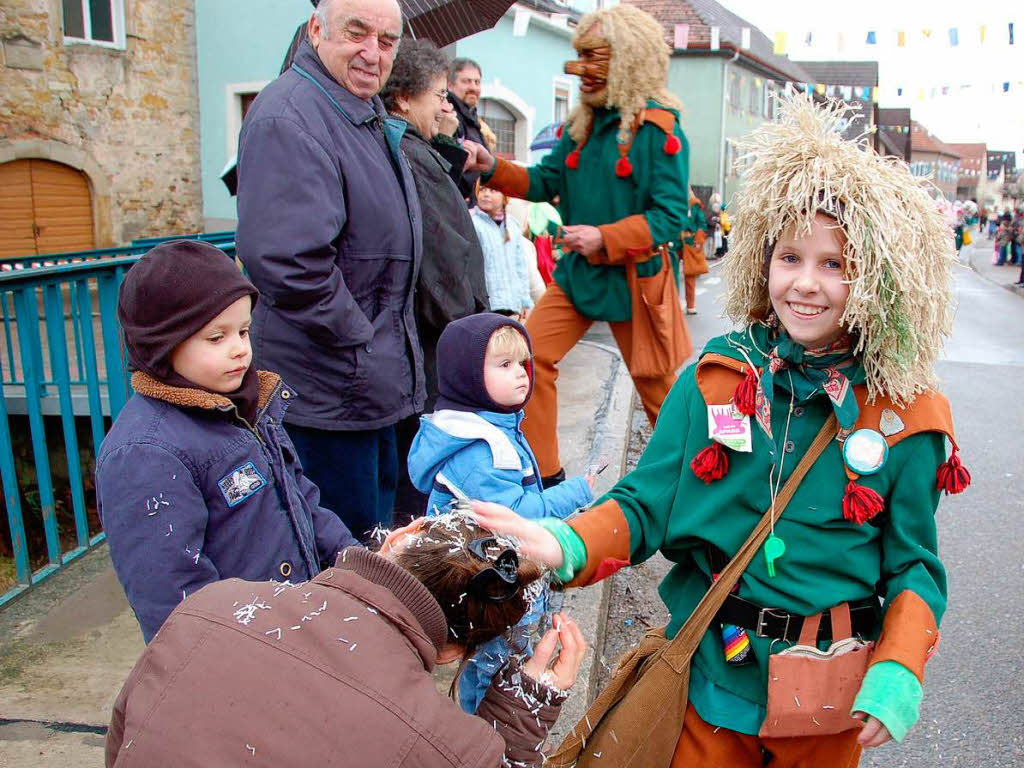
point(465, 567)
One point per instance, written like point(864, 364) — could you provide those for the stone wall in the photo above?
point(129, 119)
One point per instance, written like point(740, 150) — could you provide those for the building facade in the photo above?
point(99, 142)
point(973, 169)
point(726, 85)
point(930, 157)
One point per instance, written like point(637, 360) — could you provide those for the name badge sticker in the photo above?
point(729, 427)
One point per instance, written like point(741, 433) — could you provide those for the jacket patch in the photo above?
point(241, 483)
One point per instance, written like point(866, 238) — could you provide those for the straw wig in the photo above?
point(898, 254)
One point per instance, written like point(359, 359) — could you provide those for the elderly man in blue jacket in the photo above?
point(329, 230)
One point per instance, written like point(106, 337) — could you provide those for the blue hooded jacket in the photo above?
point(484, 456)
point(471, 447)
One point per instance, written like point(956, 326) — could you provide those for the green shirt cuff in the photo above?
point(574, 551)
point(892, 693)
point(444, 138)
point(488, 175)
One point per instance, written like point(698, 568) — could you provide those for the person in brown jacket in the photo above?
point(336, 671)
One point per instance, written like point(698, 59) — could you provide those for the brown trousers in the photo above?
point(555, 326)
point(704, 746)
point(690, 283)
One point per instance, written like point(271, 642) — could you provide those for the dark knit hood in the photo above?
point(460, 364)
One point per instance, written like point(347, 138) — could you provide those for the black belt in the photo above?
point(783, 625)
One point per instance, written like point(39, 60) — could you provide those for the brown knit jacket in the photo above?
point(335, 671)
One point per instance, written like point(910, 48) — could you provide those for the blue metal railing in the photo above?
point(62, 357)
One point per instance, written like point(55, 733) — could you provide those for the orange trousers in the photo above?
point(555, 326)
point(704, 746)
point(690, 284)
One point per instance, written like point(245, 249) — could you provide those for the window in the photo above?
point(503, 123)
point(100, 22)
point(768, 107)
point(755, 98)
point(734, 90)
point(561, 103)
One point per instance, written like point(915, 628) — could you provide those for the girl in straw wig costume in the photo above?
point(839, 276)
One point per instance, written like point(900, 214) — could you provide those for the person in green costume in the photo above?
point(619, 172)
point(839, 278)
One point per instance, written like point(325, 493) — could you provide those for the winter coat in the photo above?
point(335, 672)
point(188, 494)
point(469, 128)
point(451, 279)
point(508, 281)
point(484, 456)
point(329, 230)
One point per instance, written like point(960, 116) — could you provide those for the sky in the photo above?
point(974, 109)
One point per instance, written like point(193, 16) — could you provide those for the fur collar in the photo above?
point(185, 397)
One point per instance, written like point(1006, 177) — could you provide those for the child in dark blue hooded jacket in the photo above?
point(472, 447)
point(197, 480)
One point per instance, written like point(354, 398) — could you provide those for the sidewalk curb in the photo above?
point(972, 254)
point(609, 440)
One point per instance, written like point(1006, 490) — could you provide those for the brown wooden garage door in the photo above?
point(45, 207)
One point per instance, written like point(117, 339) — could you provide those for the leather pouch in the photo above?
point(811, 692)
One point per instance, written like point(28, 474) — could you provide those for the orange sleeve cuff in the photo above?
point(510, 179)
point(909, 634)
point(627, 240)
point(605, 534)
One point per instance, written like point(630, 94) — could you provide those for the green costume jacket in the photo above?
point(828, 559)
point(635, 212)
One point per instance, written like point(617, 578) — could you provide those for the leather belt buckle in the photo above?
point(771, 613)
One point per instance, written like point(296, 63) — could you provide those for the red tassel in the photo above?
point(861, 503)
point(572, 160)
point(711, 464)
point(623, 167)
point(745, 394)
point(952, 476)
point(558, 131)
point(672, 145)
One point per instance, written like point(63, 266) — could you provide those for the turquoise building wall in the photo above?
point(236, 43)
point(697, 82)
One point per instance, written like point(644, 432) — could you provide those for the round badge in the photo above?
point(865, 451)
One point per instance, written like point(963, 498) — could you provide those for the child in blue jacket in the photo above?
point(197, 480)
point(472, 447)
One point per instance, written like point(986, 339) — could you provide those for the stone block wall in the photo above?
point(129, 119)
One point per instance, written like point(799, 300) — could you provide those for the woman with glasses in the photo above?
point(451, 278)
point(337, 671)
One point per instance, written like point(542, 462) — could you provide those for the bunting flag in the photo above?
point(745, 38)
point(926, 32)
point(1006, 87)
point(901, 38)
point(809, 39)
point(871, 38)
point(780, 43)
point(1011, 33)
point(715, 38)
point(682, 36)
point(840, 42)
point(981, 32)
point(954, 37)
point(899, 91)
